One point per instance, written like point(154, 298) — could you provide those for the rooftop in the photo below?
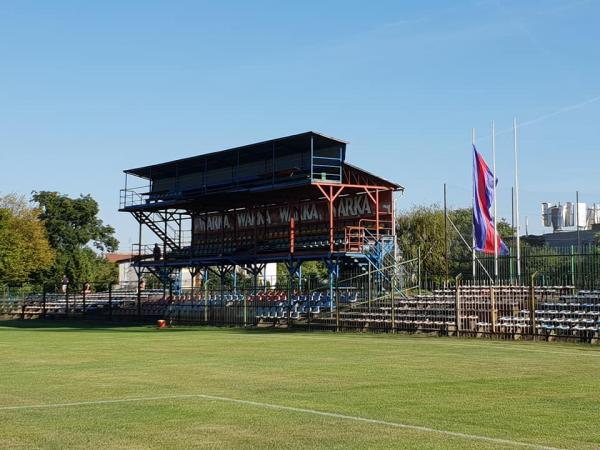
point(282, 145)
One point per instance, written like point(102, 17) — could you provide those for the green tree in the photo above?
point(77, 235)
point(459, 254)
point(73, 223)
point(24, 246)
point(313, 272)
point(423, 228)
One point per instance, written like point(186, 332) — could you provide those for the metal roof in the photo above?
point(165, 167)
point(392, 184)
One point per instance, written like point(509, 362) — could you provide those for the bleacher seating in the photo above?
point(264, 306)
point(559, 313)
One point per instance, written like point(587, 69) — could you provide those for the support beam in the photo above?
point(254, 270)
point(333, 269)
point(194, 271)
point(206, 272)
point(331, 194)
point(292, 267)
point(139, 271)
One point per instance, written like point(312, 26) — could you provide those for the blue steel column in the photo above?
point(234, 280)
point(333, 270)
point(330, 289)
point(139, 275)
point(206, 295)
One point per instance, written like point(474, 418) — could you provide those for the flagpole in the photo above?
point(495, 207)
point(446, 237)
point(512, 227)
point(517, 224)
point(473, 209)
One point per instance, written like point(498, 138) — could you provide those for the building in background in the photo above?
point(568, 216)
point(572, 224)
point(128, 275)
point(124, 261)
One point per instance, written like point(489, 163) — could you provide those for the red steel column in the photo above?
point(331, 198)
point(331, 219)
point(377, 212)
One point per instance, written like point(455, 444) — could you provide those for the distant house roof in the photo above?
point(119, 257)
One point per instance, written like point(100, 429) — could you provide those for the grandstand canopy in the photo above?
point(283, 167)
point(273, 148)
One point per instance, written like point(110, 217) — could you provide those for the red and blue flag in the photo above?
point(483, 192)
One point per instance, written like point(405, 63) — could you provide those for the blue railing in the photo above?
point(133, 196)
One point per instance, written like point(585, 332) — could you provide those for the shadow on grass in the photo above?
point(66, 325)
point(72, 325)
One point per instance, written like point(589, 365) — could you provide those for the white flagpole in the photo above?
point(495, 207)
point(473, 208)
point(517, 223)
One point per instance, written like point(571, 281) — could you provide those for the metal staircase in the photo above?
point(144, 263)
point(169, 235)
point(382, 256)
point(379, 249)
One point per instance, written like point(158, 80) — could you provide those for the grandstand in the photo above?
point(286, 200)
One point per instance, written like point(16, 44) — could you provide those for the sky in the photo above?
point(88, 89)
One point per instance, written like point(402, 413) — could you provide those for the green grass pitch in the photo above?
point(161, 387)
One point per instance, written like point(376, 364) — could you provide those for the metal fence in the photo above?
point(577, 266)
point(463, 309)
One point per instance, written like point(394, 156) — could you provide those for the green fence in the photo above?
point(555, 266)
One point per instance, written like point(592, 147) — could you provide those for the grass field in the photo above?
point(65, 386)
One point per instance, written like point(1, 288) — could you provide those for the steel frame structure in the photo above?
point(167, 214)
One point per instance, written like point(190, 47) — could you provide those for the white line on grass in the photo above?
point(472, 437)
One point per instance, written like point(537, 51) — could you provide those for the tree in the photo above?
point(24, 246)
point(423, 228)
point(314, 272)
point(73, 223)
point(421, 231)
point(77, 235)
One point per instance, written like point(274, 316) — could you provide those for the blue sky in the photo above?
point(88, 89)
